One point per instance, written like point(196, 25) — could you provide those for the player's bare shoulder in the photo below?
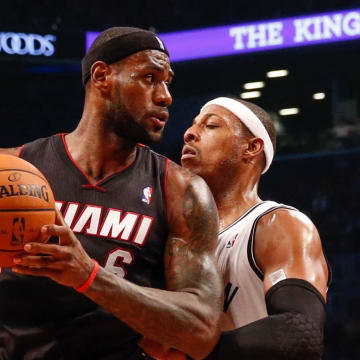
point(192, 213)
point(287, 223)
point(287, 239)
point(181, 181)
point(15, 151)
point(191, 206)
point(284, 231)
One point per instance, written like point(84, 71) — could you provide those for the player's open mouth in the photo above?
point(159, 119)
point(188, 152)
point(158, 124)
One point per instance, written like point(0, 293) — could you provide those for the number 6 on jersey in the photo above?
point(116, 260)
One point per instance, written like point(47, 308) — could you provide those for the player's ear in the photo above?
point(99, 73)
point(254, 147)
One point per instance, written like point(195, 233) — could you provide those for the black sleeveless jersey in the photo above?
point(121, 222)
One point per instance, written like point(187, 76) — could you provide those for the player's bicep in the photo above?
point(193, 225)
point(289, 246)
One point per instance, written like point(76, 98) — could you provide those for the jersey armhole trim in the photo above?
point(241, 217)
point(166, 189)
point(20, 150)
point(251, 241)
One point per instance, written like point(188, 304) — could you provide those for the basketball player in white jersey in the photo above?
point(270, 254)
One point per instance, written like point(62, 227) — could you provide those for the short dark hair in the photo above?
point(265, 119)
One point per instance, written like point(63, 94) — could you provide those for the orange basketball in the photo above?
point(26, 204)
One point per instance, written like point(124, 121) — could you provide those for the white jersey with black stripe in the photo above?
point(244, 290)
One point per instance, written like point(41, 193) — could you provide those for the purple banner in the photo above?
point(259, 36)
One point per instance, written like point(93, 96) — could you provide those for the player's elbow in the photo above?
point(303, 339)
point(200, 350)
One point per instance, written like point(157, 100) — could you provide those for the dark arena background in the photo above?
point(314, 99)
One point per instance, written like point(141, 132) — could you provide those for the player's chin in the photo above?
point(149, 138)
point(190, 164)
point(155, 136)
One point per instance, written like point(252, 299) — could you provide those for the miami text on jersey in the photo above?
point(115, 224)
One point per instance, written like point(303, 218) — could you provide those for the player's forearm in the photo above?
point(293, 329)
point(185, 320)
point(276, 337)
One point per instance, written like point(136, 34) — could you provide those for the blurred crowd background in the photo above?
point(316, 168)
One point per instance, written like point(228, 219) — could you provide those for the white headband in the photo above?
point(251, 121)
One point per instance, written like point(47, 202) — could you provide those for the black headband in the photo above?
point(120, 47)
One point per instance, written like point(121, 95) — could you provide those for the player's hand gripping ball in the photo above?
point(26, 204)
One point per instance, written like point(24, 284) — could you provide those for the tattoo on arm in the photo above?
point(189, 255)
point(197, 216)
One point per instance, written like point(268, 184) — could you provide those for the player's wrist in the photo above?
point(83, 287)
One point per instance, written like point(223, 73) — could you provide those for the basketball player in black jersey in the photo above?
point(151, 225)
point(274, 267)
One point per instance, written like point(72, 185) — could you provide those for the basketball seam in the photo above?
point(24, 210)
point(27, 171)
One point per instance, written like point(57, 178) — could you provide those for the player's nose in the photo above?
point(162, 95)
point(191, 135)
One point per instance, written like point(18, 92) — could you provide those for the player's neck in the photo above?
point(234, 198)
point(97, 152)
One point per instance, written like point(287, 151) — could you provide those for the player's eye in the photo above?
point(150, 78)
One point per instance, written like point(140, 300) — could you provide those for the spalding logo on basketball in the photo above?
point(26, 204)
